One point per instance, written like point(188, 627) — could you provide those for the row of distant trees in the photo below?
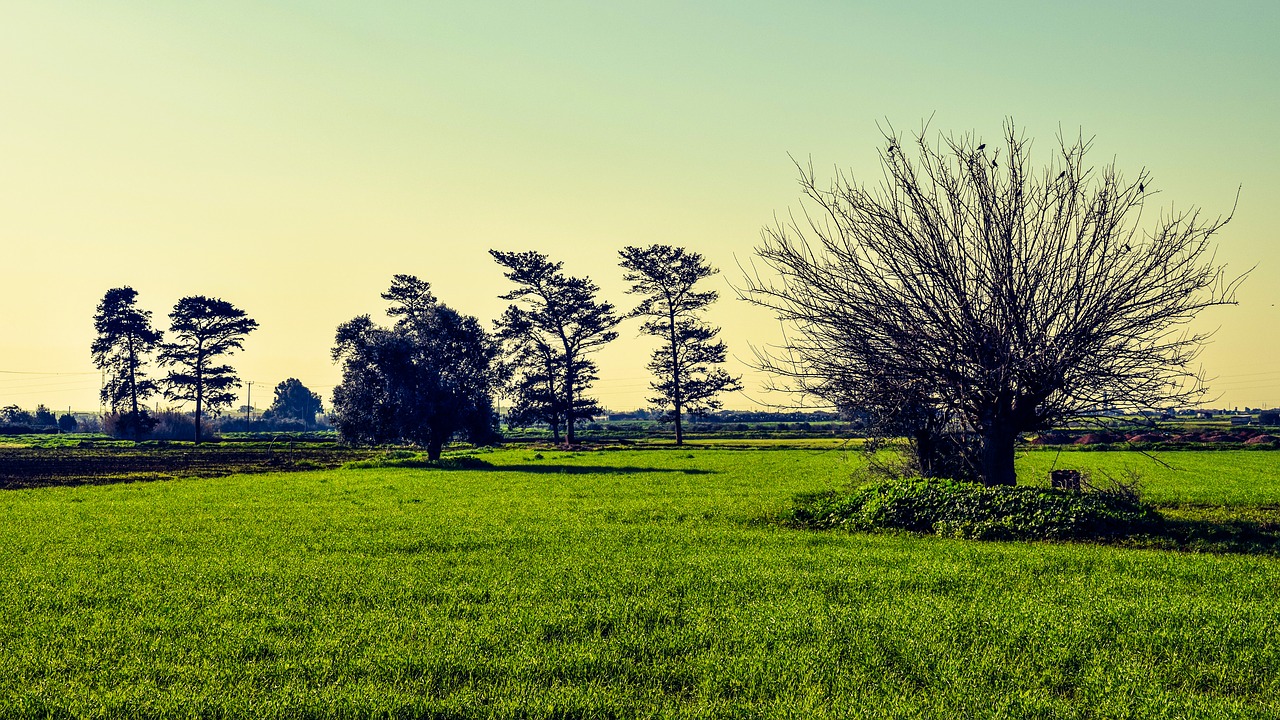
point(435, 373)
point(965, 298)
point(202, 332)
point(14, 419)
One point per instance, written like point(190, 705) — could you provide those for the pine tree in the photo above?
point(684, 364)
point(559, 325)
point(203, 330)
point(125, 339)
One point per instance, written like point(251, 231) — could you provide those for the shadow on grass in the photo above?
point(472, 463)
point(1231, 530)
point(597, 469)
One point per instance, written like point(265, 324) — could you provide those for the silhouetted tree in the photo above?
point(294, 400)
point(684, 365)
point(44, 417)
point(549, 338)
point(67, 423)
point(203, 330)
point(536, 372)
point(429, 377)
point(125, 340)
point(14, 415)
point(1003, 300)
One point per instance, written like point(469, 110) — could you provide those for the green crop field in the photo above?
point(617, 584)
point(1194, 477)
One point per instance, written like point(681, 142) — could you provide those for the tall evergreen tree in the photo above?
point(560, 324)
point(125, 340)
point(203, 330)
point(535, 366)
point(684, 364)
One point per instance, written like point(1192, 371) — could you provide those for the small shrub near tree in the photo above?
point(950, 508)
point(44, 417)
point(163, 425)
point(14, 415)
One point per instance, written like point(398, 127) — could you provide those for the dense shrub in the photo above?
point(162, 425)
point(27, 430)
point(969, 510)
point(237, 424)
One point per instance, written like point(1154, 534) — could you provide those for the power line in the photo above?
point(27, 372)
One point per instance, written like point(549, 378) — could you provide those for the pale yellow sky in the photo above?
point(291, 157)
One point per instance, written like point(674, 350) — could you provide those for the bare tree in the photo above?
point(1003, 299)
point(684, 365)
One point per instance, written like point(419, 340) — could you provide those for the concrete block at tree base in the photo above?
point(1064, 479)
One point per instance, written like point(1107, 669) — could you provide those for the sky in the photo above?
point(290, 157)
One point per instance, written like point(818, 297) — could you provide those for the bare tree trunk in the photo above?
point(926, 453)
point(199, 407)
point(133, 389)
point(570, 381)
point(199, 393)
point(675, 376)
point(997, 454)
point(679, 428)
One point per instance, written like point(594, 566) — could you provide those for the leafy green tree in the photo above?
point(549, 336)
point(124, 342)
point(203, 330)
point(685, 363)
point(428, 378)
point(294, 400)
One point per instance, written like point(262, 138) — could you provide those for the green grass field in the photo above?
point(600, 585)
point(1209, 477)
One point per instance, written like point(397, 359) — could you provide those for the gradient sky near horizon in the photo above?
point(291, 156)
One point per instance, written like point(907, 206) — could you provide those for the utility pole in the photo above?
point(248, 406)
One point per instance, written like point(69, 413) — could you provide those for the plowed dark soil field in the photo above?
point(24, 467)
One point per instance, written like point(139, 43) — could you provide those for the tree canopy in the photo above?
point(429, 377)
point(684, 365)
point(549, 332)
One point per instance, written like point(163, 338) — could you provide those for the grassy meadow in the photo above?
point(1233, 478)
point(612, 584)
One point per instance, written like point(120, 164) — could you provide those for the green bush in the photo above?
point(968, 510)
